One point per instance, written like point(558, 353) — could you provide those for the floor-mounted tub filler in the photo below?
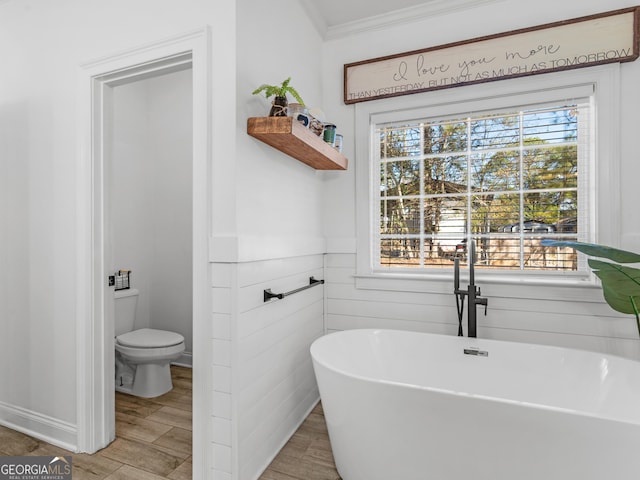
point(417, 406)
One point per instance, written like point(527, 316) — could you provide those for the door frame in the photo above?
point(94, 322)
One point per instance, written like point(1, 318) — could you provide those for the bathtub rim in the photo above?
point(475, 342)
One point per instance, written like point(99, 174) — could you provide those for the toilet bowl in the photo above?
point(143, 361)
point(143, 356)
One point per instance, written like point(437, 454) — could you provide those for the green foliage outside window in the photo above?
point(484, 177)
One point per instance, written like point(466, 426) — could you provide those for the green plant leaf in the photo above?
point(264, 87)
point(600, 251)
point(296, 95)
point(279, 90)
point(620, 285)
point(285, 86)
point(259, 89)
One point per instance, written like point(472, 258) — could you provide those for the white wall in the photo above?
point(151, 196)
point(265, 207)
point(559, 316)
point(279, 245)
point(269, 213)
point(277, 195)
point(44, 46)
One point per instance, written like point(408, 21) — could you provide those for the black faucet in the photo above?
point(473, 292)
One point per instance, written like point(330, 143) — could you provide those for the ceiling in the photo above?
point(335, 18)
point(339, 18)
point(337, 12)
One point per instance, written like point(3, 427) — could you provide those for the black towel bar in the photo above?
point(268, 295)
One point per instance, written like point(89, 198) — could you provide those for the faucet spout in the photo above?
point(472, 262)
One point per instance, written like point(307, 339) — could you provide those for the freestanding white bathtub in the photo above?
point(414, 406)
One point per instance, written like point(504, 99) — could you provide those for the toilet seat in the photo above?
point(149, 338)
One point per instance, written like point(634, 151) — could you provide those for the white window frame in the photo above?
point(601, 82)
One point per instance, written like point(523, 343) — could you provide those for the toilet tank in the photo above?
point(125, 310)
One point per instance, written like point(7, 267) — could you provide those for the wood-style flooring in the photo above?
point(153, 442)
point(307, 455)
point(153, 439)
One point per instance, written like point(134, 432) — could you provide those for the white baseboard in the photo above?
point(186, 360)
point(49, 429)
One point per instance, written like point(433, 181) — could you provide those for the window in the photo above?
point(504, 164)
point(504, 179)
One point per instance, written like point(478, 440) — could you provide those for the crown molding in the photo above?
point(428, 9)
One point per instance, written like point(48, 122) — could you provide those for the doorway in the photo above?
point(148, 195)
point(95, 325)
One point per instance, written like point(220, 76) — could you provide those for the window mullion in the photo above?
point(521, 186)
point(422, 193)
point(469, 186)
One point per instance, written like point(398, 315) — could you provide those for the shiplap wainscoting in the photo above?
point(263, 381)
point(221, 408)
point(565, 316)
point(264, 386)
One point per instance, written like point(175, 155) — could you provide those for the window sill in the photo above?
point(565, 288)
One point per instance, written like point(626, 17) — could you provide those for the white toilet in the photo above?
point(142, 356)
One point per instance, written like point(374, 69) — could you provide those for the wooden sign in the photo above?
point(581, 42)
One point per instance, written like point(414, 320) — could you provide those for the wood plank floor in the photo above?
point(154, 442)
point(153, 439)
point(307, 455)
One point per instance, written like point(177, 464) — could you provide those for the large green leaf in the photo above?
point(620, 284)
point(595, 250)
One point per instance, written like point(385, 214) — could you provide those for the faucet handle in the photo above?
point(485, 302)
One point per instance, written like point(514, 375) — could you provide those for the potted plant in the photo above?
point(280, 102)
point(620, 284)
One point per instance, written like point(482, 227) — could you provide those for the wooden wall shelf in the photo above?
point(297, 141)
